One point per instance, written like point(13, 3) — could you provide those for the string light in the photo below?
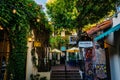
point(38, 20)
point(14, 11)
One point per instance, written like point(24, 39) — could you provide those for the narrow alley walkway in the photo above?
point(60, 72)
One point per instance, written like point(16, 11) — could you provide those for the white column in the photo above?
point(67, 56)
point(83, 53)
point(80, 57)
point(115, 68)
point(29, 65)
point(50, 56)
point(76, 55)
point(114, 55)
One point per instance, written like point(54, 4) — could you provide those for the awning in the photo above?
point(115, 28)
point(98, 27)
point(56, 51)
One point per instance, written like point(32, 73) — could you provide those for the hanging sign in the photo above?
point(85, 44)
point(37, 44)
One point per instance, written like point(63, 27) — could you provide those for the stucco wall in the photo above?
point(114, 40)
point(29, 62)
point(30, 69)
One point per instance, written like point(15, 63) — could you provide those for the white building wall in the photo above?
point(116, 20)
point(30, 68)
point(115, 69)
point(29, 64)
point(114, 53)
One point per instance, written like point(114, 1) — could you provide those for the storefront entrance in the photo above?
point(4, 53)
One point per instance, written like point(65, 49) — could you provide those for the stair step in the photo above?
point(68, 77)
point(66, 70)
point(65, 79)
point(65, 75)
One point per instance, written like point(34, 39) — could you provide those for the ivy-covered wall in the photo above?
point(17, 60)
point(17, 17)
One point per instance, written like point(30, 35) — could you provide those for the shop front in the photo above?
point(4, 53)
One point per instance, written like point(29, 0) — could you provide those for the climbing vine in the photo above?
point(18, 17)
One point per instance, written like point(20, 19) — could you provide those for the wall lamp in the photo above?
point(30, 39)
point(1, 28)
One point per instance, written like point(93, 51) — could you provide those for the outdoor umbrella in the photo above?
point(73, 49)
point(56, 51)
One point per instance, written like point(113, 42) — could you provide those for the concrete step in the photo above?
point(68, 75)
point(63, 73)
point(65, 79)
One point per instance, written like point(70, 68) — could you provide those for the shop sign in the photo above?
point(63, 48)
point(85, 44)
point(37, 44)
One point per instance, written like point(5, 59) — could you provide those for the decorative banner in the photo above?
point(101, 71)
point(89, 70)
point(95, 63)
point(100, 63)
point(88, 55)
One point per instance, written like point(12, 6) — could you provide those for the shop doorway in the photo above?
point(4, 53)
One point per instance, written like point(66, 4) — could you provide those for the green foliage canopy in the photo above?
point(77, 13)
point(62, 13)
point(93, 10)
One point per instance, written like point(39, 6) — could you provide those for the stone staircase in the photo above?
point(65, 75)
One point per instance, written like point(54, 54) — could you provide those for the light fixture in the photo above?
point(1, 28)
point(30, 39)
point(37, 44)
point(38, 20)
point(14, 11)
